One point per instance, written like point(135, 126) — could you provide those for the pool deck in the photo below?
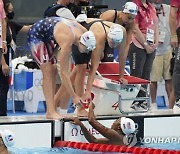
point(58, 123)
point(21, 118)
point(161, 123)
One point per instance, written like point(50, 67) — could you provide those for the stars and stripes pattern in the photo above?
point(41, 40)
point(127, 125)
point(43, 30)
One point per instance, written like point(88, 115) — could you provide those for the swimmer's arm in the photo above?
point(87, 134)
point(66, 48)
point(108, 15)
point(129, 31)
point(95, 59)
point(91, 138)
point(64, 67)
point(122, 55)
point(109, 133)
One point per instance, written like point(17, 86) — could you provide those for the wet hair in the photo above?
point(6, 5)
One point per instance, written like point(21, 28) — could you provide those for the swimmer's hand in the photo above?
point(91, 106)
point(75, 121)
point(86, 96)
point(123, 81)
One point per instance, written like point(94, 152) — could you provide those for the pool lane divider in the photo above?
point(112, 148)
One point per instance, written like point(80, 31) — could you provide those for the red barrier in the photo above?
point(103, 147)
point(112, 148)
point(83, 146)
point(96, 147)
point(61, 144)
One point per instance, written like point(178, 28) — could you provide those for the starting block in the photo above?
point(112, 98)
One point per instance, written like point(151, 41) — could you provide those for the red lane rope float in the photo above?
point(112, 148)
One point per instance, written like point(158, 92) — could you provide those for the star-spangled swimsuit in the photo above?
point(41, 39)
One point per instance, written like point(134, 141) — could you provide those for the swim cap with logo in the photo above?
point(8, 137)
point(130, 8)
point(88, 39)
point(128, 126)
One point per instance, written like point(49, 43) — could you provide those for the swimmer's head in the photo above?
point(87, 42)
point(131, 8)
point(127, 125)
point(7, 137)
point(115, 35)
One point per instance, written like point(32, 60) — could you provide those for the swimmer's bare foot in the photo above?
point(54, 116)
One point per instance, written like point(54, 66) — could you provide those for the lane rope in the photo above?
point(112, 148)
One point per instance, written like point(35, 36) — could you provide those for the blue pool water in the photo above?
point(54, 151)
point(65, 150)
point(167, 146)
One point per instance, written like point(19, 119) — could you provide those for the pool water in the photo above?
point(167, 146)
point(63, 150)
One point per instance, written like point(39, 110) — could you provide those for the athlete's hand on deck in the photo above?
point(123, 81)
point(75, 121)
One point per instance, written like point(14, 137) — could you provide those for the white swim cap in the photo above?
point(116, 33)
point(88, 39)
point(131, 8)
point(128, 126)
point(81, 18)
point(8, 137)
